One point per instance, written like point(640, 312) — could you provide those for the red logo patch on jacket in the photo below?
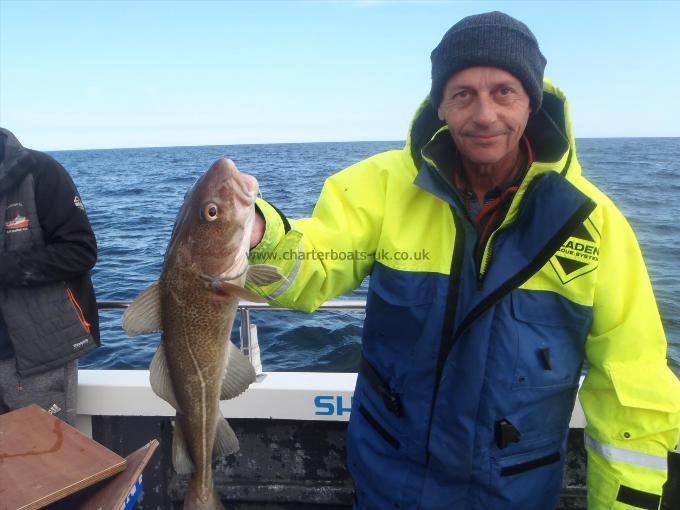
point(18, 224)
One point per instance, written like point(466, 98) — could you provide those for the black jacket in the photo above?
point(60, 253)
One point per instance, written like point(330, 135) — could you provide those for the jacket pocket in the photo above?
point(528, 465)
point(551, 333)
point(382, 431)
point(530, 480)
point(79, 311)
point(45, 327)
point(645, 385)
point(375, 458)
point(370, 404)
point(401, 288)
point(397, 309)
point(649, 393)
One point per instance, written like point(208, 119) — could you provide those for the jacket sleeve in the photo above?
point(70, 246)
point(331, 252)
point(630, 396)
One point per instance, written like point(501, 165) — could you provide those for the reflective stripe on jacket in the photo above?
point(470, 370)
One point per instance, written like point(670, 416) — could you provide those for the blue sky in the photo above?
point(139, 74)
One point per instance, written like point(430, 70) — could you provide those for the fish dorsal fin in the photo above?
point(181, 460)
point(224, 288)
point(226, 442)
point(239, 373)
point(159, 376)
point(144, 313)
point(264, 274)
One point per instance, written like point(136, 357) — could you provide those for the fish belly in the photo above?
point(195, 347)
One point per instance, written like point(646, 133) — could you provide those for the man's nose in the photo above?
point(485, 112)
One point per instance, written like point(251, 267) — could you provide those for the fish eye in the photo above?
point(210, 212)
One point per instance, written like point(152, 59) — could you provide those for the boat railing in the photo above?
point(318, 396)
point(248, 330)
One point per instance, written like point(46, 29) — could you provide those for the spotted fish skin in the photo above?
point(194, 304)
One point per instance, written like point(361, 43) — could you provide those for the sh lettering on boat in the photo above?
point(333, 405)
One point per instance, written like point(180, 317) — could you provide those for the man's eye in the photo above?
point(505, 91)
point(461, 95)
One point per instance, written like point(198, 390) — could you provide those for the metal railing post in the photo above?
point(245, 332)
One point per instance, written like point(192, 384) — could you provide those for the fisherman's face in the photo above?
point(486, 110)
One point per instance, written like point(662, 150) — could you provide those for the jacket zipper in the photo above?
point(485, 262)
point(79, 311)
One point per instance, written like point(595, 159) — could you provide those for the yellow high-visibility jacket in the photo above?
point(470, 367)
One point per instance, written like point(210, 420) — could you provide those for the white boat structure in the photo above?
point(291, 427)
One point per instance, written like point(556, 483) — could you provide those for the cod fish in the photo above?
point(193, 304)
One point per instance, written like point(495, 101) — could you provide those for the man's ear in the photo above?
point(440, 113)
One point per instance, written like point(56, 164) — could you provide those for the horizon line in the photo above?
point(310, 143)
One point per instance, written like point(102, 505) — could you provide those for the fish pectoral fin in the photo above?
point(159, 376)
point(144, 313)
point(226, 288)
point(264, 274)
point(239, 373)
point(226, 442)
point(181, 460)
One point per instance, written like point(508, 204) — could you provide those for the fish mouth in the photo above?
point(245, 185)
point(244, 200)
point(248, 185)
point(246, 189)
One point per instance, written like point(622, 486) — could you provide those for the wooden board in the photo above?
point(114, 492)
point(43, 459)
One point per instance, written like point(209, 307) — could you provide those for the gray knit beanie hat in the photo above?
point(490, 39)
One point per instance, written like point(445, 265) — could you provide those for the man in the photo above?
point(472, 351)
point(48, 312)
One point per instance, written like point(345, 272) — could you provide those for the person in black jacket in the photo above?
point(48, 311)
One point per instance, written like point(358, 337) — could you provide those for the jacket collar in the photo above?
point(548, 130)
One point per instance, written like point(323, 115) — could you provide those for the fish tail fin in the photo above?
point(226, 442)
point(192, 500)
point(181, 460)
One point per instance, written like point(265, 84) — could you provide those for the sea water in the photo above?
point(132, 197)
